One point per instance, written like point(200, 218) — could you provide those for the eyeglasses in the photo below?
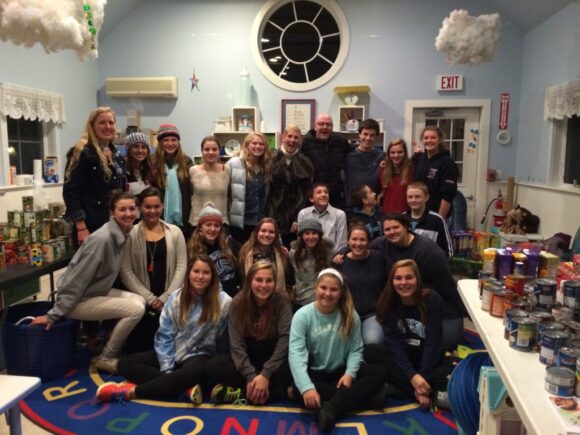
point(324, 124)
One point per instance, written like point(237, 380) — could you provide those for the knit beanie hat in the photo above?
point(135, 138)
point(166, 130)
point(209, 213)
point(309, 224)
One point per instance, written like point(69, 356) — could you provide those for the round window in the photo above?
point(300, 45)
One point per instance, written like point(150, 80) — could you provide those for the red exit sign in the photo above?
point(450, 82)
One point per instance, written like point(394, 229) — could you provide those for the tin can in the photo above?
point(61, 246)
point(516, 283)
point(17, 218)
point(57, 227)
point(567, 357)
point(13, 232)
point(489, 287)
point(545, 290)
point(508, 316)
point(483, 276)
point(541, 315)
point(48, 251)
point(561, 313)
point(46, 229)
point(28, 203)
point(560, 381)
point(551, 342)
point(571, 290)
point(572, 327)
point(35, 257)
point(497, 303)
point(489, 260)
point(522, 333)
point(29, 218)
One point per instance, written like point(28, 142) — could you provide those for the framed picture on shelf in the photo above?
point(300, 113)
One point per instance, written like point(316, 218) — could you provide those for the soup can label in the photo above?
point(522, 333)
point(545, 290)
point(567, 357)
point(571, 290)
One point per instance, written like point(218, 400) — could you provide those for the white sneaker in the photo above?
point(106, 364)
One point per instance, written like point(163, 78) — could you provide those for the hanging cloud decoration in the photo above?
point(56, 25)
point(469, 40)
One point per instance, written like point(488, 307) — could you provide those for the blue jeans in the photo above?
point(372, 331)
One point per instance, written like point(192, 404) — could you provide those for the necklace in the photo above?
point(152, 255)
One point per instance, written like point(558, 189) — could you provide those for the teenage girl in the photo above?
point(210, 181)
point(437, 170)
point(394, 176)
point(364, 271)
point(308, 256)
point(210, 238)
point(325, 355)
point(412, 320)
point(171, 176)
point(138, 162)
point(257, 367)
point(264, 244)
point(250, 185)
point(190, 324)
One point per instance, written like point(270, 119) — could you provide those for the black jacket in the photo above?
point(440, 174)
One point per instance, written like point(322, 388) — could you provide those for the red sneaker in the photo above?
point(111, 391)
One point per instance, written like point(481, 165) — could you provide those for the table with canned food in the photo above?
point(517, 362)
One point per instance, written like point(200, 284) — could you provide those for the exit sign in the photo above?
point(450, 83)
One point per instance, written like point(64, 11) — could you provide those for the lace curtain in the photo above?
point(20, 102)
point(562, 101)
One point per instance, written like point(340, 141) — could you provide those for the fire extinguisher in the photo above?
point(498, 211)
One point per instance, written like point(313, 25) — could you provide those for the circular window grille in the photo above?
point(300, 45)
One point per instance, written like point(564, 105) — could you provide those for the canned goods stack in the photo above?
point(34, 237)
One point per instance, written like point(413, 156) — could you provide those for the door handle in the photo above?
point(470, 197)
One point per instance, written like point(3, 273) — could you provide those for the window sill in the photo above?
point(4, 189)
point(562, 189)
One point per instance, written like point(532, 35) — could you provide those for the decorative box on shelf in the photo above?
point(245, 119)
point(350, 117)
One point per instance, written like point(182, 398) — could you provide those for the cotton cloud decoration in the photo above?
point(56, 25)
point(469, 40)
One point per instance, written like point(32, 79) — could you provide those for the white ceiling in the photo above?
point(523, 14)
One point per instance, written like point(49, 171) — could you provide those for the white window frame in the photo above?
point(50, 139)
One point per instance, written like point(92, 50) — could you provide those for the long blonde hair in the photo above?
point(210, 310)
point(345, 304)
point(265, 162)
point(89, 136)
point(389, 169)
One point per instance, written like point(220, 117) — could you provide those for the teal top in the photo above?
point(316, 344)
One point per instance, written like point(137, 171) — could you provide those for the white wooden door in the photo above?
point(461, 129)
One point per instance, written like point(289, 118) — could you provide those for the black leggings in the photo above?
point(436, 377)
point(369, 381)
point(143, 370)
point(222, 370)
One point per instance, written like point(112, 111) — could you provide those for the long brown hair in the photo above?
point(345, 304)
point(160, 158)
point(321, 253)
point(442, 146)
point(89, 136)
point(210, 310)
point(390, 170)
point(265, 162)
point(255, 324)
point(390, 301)
point(197, 246)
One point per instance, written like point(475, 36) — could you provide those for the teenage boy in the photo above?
point(362, 165)
point(365, 211)
point(333, 220)
point(426, 222)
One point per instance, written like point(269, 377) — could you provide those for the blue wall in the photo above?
point(56, 72)
point(400, 64)
point(551, 56)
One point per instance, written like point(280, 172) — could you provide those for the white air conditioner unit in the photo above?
point(141, 87)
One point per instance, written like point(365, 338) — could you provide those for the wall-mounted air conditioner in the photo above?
point(141, 87)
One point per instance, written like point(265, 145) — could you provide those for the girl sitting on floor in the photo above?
point(325, 355)
point(259, 324)
point(190, 324)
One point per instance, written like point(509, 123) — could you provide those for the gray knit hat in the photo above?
point(309, 224)
point(135, 138)
point(209, 213)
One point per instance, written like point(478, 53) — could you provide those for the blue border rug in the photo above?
point(67, 406)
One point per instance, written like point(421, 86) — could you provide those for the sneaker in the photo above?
point(106, 364)
point(442, 400)
point(326, 417)
point(223, 394)
point(111, 391)
point(195, 394)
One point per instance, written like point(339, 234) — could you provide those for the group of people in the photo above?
point(250, 278)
